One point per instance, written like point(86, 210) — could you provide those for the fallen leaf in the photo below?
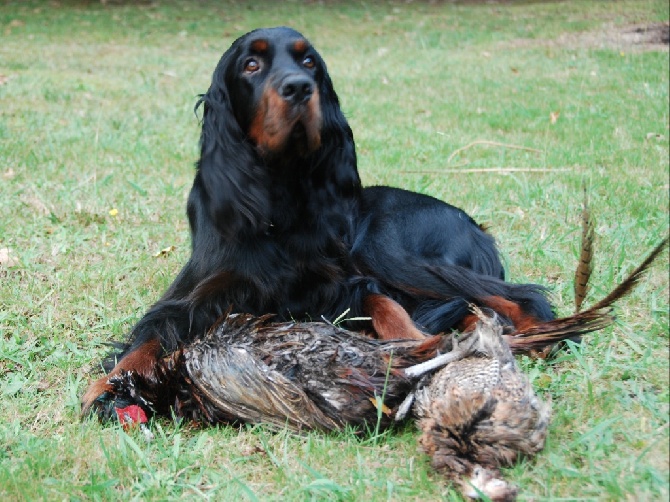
point(249, 450)
point(553, 116)
point(9, 173)
point(3, 79)
point(654, 135)
point(6, 258)
point(165, 251)
point(377, 402)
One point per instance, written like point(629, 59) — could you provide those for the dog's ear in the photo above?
point(337, 140)
point(232, 178)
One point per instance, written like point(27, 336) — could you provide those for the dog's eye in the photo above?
point(251, 66)
point(308, 62)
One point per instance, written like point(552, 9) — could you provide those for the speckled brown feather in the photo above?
point(594, 318)
point(480, 412)
point(585, 265)
point(300, 376)
point(303, 375)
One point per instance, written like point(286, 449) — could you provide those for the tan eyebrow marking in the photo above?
point(300, 45)
point(260, 45)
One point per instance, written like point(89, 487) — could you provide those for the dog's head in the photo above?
point(273, 79)
point(271, 108)
point(278, 90)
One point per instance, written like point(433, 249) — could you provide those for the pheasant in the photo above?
point(302, 376)
point(479, 413)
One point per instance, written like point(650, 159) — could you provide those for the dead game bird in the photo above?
point(301, 376)
point(479, 413)
point(476, 410)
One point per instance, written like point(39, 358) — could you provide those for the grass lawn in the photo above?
point(97, 144)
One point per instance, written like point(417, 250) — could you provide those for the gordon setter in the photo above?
point(280, 224)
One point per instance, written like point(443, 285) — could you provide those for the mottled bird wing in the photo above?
point(240, 384)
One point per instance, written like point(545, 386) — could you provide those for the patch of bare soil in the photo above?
point(635, 37)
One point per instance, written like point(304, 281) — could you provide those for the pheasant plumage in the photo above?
point(297, 375)
point(479, 413)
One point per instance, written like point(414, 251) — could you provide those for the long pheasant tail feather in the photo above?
point(585, 265)
point(633, 278)
point(548, 333)
point(595, 318)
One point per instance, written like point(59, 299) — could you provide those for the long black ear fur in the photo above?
point(230, 173)
point(337, 139)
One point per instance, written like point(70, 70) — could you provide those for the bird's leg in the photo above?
point(465, 348)
point(461, 349)
point(406, 405)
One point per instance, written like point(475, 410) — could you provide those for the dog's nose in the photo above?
point(296, 89)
